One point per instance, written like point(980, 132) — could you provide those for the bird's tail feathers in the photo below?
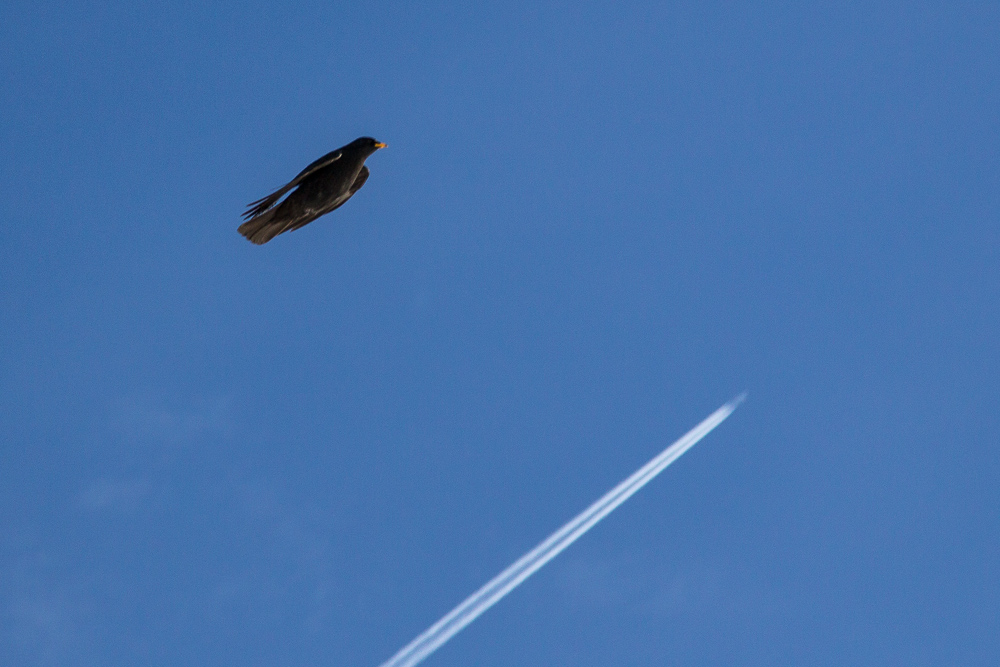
point(262, 228)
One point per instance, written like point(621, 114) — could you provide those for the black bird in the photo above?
point(319, 188)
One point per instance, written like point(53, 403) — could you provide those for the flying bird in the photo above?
point(320, 188)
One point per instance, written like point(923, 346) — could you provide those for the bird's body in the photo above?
point(320, 188)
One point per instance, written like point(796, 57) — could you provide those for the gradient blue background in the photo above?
point(594, 224)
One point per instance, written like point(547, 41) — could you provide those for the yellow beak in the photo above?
point(379, 144)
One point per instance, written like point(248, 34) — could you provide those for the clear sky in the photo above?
point(593, 225)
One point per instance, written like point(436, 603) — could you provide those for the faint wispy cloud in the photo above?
point(293, 571)
point(40, 620)
point(153, 421)
point(113, 495)
point(42, 625)
point(693, 589)
point(590, 581)
point(642, 583)
point(661, 587)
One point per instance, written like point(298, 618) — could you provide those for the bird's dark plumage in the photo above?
point(320, 188)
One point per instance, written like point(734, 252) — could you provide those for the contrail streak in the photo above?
point(506, 581)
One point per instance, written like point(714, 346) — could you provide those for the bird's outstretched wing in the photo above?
point(269, 223)
point(358, 182)
point(261, 205)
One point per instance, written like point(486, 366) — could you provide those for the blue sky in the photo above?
point(594, 224)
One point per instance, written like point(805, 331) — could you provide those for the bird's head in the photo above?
point(367, 144)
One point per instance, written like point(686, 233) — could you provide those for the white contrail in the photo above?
point(506, 581)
